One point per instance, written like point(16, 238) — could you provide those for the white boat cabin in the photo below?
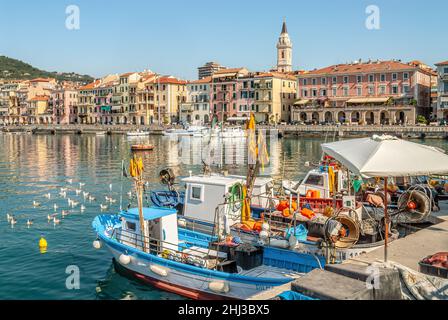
point(160, 229)
point(203, 194)
point(318, 180)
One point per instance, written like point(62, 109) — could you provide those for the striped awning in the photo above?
point(368, 100)
point(301, 102)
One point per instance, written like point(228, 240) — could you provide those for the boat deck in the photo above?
point(409, 250)
point(271, 272)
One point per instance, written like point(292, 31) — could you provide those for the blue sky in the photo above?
point(177, 36)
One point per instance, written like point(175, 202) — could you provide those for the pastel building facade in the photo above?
point(63, 100)
point(196, 108)
point(373, 92)
point(442, 90)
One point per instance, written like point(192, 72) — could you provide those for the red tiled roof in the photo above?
point(444, 63)
point(203, 80)
point(40, 98)
point(127, 74)
point(170, 80)
point(90, 85)
point(375, 66)
point(231, 70)
point(41, 80)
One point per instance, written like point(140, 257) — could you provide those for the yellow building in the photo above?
point(274, 96)
point(38, 112)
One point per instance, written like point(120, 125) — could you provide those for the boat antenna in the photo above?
point(121, 184)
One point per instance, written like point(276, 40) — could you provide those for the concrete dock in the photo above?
point(336, 280)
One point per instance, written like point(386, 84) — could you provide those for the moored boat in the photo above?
point(142, 147)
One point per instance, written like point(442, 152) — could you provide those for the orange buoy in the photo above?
point(282, 205)
point(257, 226)
point(286, 212)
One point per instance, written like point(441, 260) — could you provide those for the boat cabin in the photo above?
point(203, 194)
point(160, 229)
point(319, 180)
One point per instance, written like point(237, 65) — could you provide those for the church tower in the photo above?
point(284, 51)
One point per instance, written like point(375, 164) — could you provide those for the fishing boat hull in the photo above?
point(188, 281)
point(196, 280)
point(139, 147)
point(166, 286)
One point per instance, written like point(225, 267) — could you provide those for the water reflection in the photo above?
point(34, 165)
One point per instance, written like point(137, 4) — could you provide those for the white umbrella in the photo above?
point(387, 156)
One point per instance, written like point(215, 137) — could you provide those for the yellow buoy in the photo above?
point(43, 245)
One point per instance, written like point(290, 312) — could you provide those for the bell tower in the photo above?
point(284, 51)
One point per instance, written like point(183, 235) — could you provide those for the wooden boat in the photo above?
point(142, 147)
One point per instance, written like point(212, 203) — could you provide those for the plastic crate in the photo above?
point(292, 295)
point(292, 260)
point(432, 270)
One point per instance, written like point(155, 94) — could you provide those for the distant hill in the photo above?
point(16, 69)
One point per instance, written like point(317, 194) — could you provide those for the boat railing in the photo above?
point(166, 249)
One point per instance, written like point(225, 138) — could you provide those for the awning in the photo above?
point(301, 102)
point(386, 156)
point(105, 108)
point(115, 108)
point(368, 100)
point(237, 119)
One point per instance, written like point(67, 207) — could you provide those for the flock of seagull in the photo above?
point(72, 203)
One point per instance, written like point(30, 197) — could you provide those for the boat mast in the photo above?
point(136, 171)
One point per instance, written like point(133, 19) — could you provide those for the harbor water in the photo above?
point(32, 166)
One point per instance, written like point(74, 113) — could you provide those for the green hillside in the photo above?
point(16, 69)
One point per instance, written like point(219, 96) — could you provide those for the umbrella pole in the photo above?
point(386, 220)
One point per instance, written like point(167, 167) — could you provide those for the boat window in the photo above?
point(315, 179)
point(196, 192)
point(130, 226)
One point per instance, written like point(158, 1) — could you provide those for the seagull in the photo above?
point(107, 198)
point(9, 217)
point(85, 194)
point(70, 181)
point(78, 191)
point(36, 204)
point(81, 184)
point(29, 223)
point(83, 207)
point(13, 221)
point(74, 203)
point(56, 220)
point(69, 201)
point(63, 189)
point(112, 200)
point(92, 198)
point(55, 206)
point(64, 213)
point(103, 206)
point(130, 194)
point(49, 217)
point(48, 195)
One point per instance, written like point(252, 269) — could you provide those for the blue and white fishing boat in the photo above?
point(191, 263)
point(150, 245)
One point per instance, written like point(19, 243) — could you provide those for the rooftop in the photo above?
point(150, 213)
point(364, 67)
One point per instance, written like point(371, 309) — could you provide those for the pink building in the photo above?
point(63, 100)
point(370, 92)
point(224, 99)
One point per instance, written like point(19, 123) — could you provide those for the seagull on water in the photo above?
point(103, 206)
point(48, 195)
point(36, 204)
point(29, 223)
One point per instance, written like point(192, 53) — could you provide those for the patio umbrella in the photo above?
point(387, 156)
